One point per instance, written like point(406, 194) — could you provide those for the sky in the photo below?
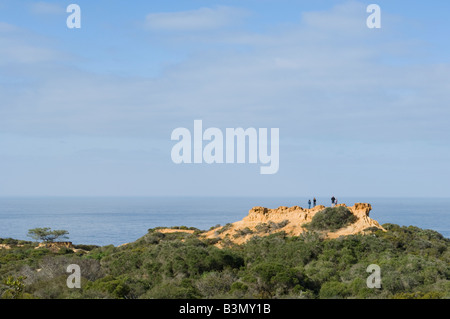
point(90, 111)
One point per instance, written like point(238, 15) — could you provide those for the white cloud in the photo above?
point(348, 17)
point(302, 74)
point(6, 27)
point(11, 52)
point(46, 8)
point(199, 19)
point(19, 46)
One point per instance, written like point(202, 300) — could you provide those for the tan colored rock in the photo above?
point(56, 246)
point(290, 220)
point(173, 230)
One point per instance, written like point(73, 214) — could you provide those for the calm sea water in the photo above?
point(105, 221)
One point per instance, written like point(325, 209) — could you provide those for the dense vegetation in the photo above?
point(332, 218)
point(415, 263)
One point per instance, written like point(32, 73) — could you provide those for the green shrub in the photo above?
point(11, 241)
point(12, 288)
point(371, 229)
point(242, 232)
point(270, 226)
point(211, 241)
point(419, 295)
point(65, 251)
point(334, 289)
point(173, 289)
point(415, 263)
point(276, 226)
point(332, 218)
point(46, 234)
point(116, 287)
point(262, 228)
point(215, 284)
point(274, 278)
point(224, 228)
point(85, 247)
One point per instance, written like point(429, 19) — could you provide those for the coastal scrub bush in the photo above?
point(85, 247)
point(224, 228)
point(213, 284)
point(11, 241)
point(270, 226)
point(12, 288)
point(46, 234)
point(262, 228)
point(65, 251)
point(334, 289)
point(242, 232)
point(276, 226)
point(173, 289)
point(415, 263)
point(238, 289)
point(331, 218)
point(116, 287)
point(273, 278)
point(419, 295)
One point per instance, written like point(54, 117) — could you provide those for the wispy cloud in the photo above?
point(23, 53)
point(193, 20)
point(304, 71)
point(326, 80)
point(46, 8)
point(20, 46)
point(6, 27)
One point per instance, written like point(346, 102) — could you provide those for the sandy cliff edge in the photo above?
point(262, 221)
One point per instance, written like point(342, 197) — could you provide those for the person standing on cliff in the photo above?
point(332, 201)
point(314, 202)
point(309, 204)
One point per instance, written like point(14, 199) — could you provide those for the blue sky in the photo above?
point(90, 111)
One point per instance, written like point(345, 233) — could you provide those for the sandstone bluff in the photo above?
point(262, 221)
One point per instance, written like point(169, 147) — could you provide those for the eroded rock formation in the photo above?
point(262, 221)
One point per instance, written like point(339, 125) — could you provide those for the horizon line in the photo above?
point(217, 196)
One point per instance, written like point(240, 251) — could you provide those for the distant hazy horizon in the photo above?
point(105, 221)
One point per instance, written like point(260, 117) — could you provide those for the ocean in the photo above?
point(118, 220)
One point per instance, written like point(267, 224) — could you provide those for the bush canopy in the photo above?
point(332, 218)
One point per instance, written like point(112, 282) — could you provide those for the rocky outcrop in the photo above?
point(56, 246)
point(262, 221)
point(364, 222)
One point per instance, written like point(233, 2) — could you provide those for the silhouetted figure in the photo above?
point(333, 200)
point(309, 204)
point(314, 202)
